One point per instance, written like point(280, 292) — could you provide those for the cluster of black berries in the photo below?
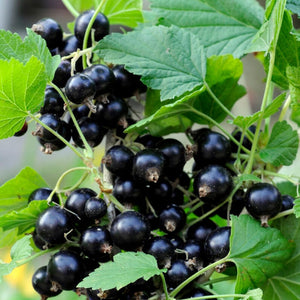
point(96, 93)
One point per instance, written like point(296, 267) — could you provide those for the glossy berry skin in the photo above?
point(96, 243)
point(50, 31)
point(148, 165)
point(111, 113)
point(172, 219)
point(53, 224)
point(79, 88)
point(100, 25)
point(118, 160)
point(216, 245)
point(39, 242)
point(95, 208)
point(129, 230)
point(177, 273)
point(42, 194)
point(263, 200)
point(22, 131)
point(53, 103)
point(127, 190)
point(66, 269)
point(103, 77)
point(200, 230)
point(212, 148)
point(91, 130)
point(213, 184)
point(194, 252)
point(176, 240)
point(76, 202)
point(174, 152)
point(161, 248)
point(62, 73)
point(42, 284)
point(148, 140)
point(69, 45)
point(287, 202)
point(237, 134)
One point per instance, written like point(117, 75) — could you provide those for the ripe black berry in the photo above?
point(53, 224)
point(129, 230)
point(212, 148)
point(50, 31)
point(237, 134)
point(118, 160)
point(100, 25)
point(216, 245)
point(200, 230)
point(42, 284)
point(148, 165)
point(95, 208)
point(161, 248)
point(62, 73)
point(80, 88)
point(213, 184)
point(287, 202)
point(42, 194)
point(177, 273)
point(53, 103)
point(148, 140)
point(262, 201)
point(96, 243)
point(65, 268)
point(172, 219)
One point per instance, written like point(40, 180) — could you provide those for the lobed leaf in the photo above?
point(125, 268)
point(282, 146)
point(259, 253)
point(286, 284)
point(21, 92)
point(223, 27)
point(15, 192)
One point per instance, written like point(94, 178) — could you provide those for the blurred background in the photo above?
point(18, 152)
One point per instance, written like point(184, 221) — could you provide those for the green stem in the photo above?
point(88, 148)
point(70, 8)
point(279, 175)
point(216, 99)
point(194, 276)
point(164, 286)
point(88, 30)
point(56, 134)
point(269, 101)
point(219, 296)
point(285, 108)
point(76, 185)
point(283, 214)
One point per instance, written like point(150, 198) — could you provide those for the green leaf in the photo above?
point(123, 12)
point(293, 5)
point(286, 284)
point(259, 253)
point(23, 219)
point(20, 250)
point(256, 294)
point(222, 26)
point(266, 38)
point(222, 75)
point(282, 146)
point(82, 5)
point(274, 106)
point(247, 121)
point(293, 75)
point(287, 188)
point(12, 46)
point(15, 192)
point(168, 59)
point(297, 207)
point(248, 177)
point(21, 91)
point(126, 268)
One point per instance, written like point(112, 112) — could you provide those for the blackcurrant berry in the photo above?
point(148, 165)
point(103, 77)
point(43, 194)
point(213, 184)
point(129, 230)
point(91, 130)
point(200, 230)
point(287, 202)
point(172, 219)
point(53, 224)
point(53, 103)
point(43, 285)
point(100, 25)
point(80, 88)
point(69, 45)
point(177, 273)
point(95, 208)
point(176, 240)
point(23, 130)
point(212, 148)
point(65, 268)
point(162, 249)
point(174, 152)
point(50, 31)
point(96, 243)
point(194, 253)
point(216, 245)
point(39, 242)
point(62, 73)
point(149, 141)
point(118, 160)
point(237, 134)
point(263, 200)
